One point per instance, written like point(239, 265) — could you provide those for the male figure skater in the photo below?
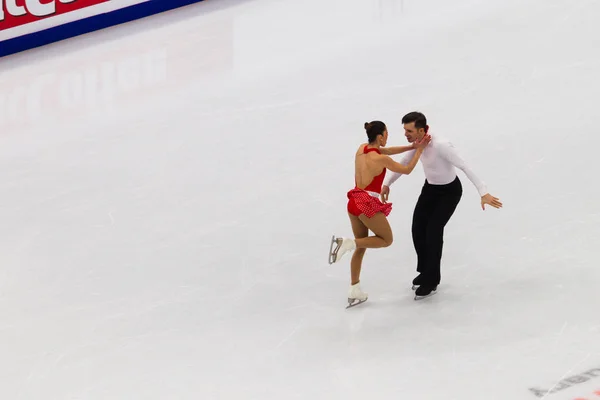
point(438, 200)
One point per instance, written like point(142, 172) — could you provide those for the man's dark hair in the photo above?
point(418, 118)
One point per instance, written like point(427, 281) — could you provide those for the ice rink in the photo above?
point(169, 188)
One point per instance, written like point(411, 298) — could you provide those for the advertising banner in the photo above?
point(25, 24)
point(35, 15)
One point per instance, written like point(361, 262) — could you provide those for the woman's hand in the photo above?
point(421, 144)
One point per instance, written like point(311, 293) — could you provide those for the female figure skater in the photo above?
point(365, 210)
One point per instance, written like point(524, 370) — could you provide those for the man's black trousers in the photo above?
point(434, 208)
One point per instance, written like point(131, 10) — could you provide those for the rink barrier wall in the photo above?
point(89, 24)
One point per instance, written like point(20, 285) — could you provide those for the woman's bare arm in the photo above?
point(390, 151)
point(394, 166)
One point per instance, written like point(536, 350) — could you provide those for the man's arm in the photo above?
point(390, 151)
point(448, 151)
point(393, 176)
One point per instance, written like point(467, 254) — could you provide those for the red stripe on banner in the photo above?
point(20, 12)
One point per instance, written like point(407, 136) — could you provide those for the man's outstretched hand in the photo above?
point(490, 200)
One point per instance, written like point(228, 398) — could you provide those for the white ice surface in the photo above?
point(168, 189)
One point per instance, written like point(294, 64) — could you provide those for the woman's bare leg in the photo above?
point(379, 225)
point(360, 231)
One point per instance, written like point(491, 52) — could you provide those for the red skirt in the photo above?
point(361, 202)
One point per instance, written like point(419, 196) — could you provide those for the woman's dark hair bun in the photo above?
point(374, 129)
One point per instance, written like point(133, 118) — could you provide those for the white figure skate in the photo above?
point(343, 245)
point(356, 296)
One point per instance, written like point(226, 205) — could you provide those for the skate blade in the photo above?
point(424, 297)
point(332, 252)
point(355, 302)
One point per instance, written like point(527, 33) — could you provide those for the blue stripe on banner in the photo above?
point(90, 24)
